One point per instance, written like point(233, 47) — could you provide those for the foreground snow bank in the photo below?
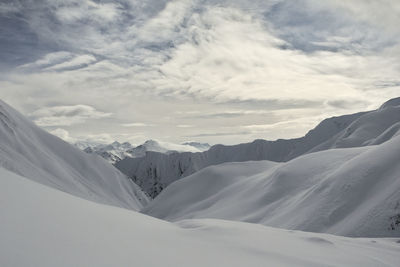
point(352, 192)
point(32, 152)
point(40, 226)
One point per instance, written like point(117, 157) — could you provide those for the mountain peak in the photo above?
point(115, 143)
point(151, 142)
point(391, 103)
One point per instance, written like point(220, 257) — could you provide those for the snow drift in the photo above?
point(155, 171)
point(351, 192)
point(40, 226)
point(32, 152)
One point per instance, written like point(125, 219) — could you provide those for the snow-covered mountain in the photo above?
point(155, 171)
point(44, 227)
point(349, 191)
point(160, 147)
point(85, 144)
point(31, 152)
point(111, 152)
point(200, 146)
point(116, 151)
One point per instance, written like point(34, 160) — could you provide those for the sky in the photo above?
point(210, 70)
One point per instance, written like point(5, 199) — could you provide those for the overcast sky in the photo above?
point(213, 70)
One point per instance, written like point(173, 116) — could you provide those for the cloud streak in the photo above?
point(66, 115)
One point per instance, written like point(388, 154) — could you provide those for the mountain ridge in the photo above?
point(342, 191)
point(155, 171)
point(116, 151)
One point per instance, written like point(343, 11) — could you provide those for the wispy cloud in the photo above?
point(76, 62)
point(66, 115)
point(63, 134)
point(137, 124)
point(219, 134)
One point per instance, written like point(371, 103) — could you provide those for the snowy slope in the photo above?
point(351, 191)
point(372, 128)
point(154, 171)
point(40, 226)
point(32, 152)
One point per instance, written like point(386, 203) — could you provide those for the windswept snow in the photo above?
point(155, 171)
point(32, 152)
point(351, 191)
point(40, 226)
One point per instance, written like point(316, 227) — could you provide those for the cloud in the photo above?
point(185, 126)
point(76, 62)
point(347, 104)
point(219, 134)
point(75, 11)
point(103, 138)
point(49, 60)
point(9, 8)
point(137, 124)
point(66, 115)
point(63, 134)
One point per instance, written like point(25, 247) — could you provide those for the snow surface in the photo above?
point(351, 192)
point(155, 171)
point(32, 152)
point(40, 226)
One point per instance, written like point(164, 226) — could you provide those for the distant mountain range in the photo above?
point(155, 171)
point(116, 151)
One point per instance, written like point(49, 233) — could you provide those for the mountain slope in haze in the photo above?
point(116, 151)
point(161, 147)
point(40, 226)
point(200, 146)
point(111, 152)
point(32, 152)
point(155, 171)
point(349, 191)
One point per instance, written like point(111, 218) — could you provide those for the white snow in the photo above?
point(32, 152)
point(351, 191)
point(40, 226)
